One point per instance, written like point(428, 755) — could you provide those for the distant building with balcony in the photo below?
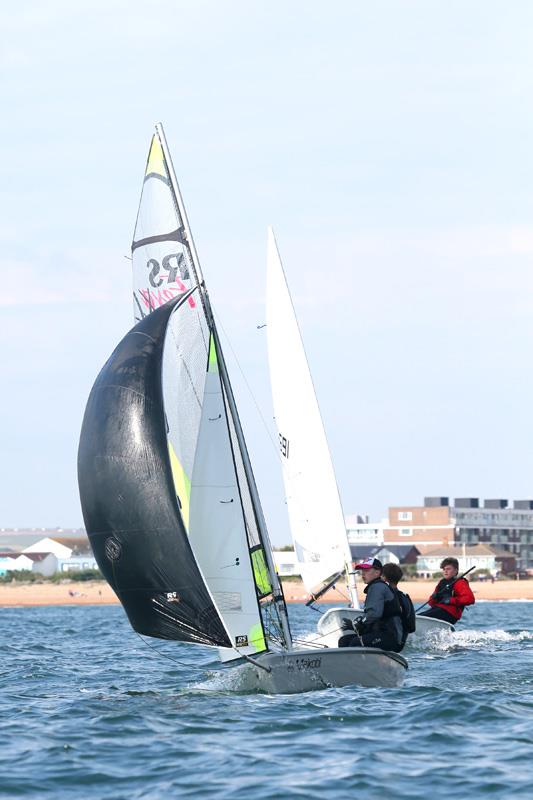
point(500, 524)
point(429, 525)
point(362, 532)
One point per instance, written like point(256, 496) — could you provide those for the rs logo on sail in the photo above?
point(175, 272)
point(180, 266)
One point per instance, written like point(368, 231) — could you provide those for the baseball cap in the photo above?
point(370, 563)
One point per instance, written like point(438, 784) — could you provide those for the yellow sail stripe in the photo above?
point(213, 361)
point(256, 638)
point(156, 159)
point(261, 576)
point(182, 485)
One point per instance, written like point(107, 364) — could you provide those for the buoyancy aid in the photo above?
point(408, 613)
point(391, 606)
point(452, 596)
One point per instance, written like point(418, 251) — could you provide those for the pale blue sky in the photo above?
point(388, 143)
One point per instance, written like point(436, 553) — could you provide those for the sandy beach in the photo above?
point(99, 593)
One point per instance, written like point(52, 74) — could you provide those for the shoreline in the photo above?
point(100, 593)
point(419, 591)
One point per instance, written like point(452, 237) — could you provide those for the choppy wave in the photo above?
point(509, 600)
point(473, 639)
point(87, 710)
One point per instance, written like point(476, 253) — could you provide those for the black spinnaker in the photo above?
point(128, 497)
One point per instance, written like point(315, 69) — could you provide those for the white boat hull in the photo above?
point(329, 625)
point(425, 625)
point(309, 669)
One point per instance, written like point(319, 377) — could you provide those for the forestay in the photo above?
point(315, 512)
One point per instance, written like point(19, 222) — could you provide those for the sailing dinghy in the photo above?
point(167, 489)
point(315, 512)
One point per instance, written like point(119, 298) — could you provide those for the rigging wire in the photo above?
point(256, 404)
point(166, 655)
point(310, 643)
point(258, 409)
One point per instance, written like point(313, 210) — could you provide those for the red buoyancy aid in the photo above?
point(461, 596)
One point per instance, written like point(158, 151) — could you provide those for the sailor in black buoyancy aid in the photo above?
point(392, 574)
point(380, 624)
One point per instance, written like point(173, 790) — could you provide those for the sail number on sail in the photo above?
point(284, 445)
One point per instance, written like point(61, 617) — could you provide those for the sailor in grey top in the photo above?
point(380, 624)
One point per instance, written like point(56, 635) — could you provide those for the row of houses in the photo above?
point(46, 555)
point(485, 559)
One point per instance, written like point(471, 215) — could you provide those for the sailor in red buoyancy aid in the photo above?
point(451, 594)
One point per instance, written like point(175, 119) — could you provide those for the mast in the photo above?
point(350, 576)
point(261, 523)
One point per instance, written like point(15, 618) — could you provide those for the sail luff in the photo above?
point(313, 499)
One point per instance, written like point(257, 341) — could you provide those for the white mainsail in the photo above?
point(313, 502)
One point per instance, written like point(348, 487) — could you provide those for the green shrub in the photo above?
point(21, 576)
point(27, 576)
point(77, 575)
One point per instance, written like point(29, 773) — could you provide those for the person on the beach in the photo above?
point(392, 575)
point(451, 595)
point(380, 624)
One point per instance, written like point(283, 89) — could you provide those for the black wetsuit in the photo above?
point(382, 625)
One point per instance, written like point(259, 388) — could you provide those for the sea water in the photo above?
point(88, 709)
